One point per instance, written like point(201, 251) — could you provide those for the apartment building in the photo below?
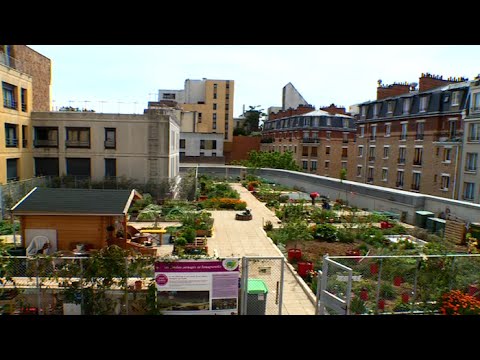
point(468, 171)
point(211, 101)
point(322, 143)
point(412, 139)
point(96, 145)
point(25, 77)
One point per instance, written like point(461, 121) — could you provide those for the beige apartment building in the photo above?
point(25, 79)
point(411, 139)
point(211, 101)
point(96, 145)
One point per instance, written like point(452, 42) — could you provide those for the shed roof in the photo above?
point(63, 201)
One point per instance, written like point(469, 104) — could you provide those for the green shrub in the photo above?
point(326, 232)
point(180, 241)
point(387, 291)
point(240, 206)
point(345, 236)
point(189, 234)
point(268, 226)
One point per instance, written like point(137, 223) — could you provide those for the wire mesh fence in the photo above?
point(262, 284)
point(398, 284)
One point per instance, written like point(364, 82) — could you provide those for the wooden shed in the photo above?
point(73, 216)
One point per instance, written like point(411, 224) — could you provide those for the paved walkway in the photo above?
point(233, 238)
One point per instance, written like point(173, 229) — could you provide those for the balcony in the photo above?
point(310, 140)
point(419, 136)
point(45, 143)
point(417, 162)
point(77, 144)
point(10, 142)
point(11, 62)
point(401, 161)
point(263, 141)
point(10, 104)
point(345, 157)
point(345, 141)
point(403, 137)
point(370, 180)
point(110, 144)
point(415, 187)
point(373, 137)
point(399, 184)
point(371, 158)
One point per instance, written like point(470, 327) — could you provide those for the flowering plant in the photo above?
point(457, 303)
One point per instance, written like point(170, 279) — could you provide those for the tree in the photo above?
point(252, 119)
point(273, 160)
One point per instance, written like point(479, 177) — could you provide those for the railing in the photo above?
point(415, 187)
point(401, 161)
point(345, 141)
point(373, 137)
point(370, 179)
point(310, 140)
point(403, 137)
point(12, 62)
point(45, 143)
point(419, 137)
point(371, 158)
point(110, 144)
point(9, 142)
point(10, 104)
point(24, 107)
point(344, 157)
point(77, 143)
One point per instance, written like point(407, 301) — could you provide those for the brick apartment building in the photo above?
point(412, 139)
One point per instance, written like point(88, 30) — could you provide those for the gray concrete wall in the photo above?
point(361, 195)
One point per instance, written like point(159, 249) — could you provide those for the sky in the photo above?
point(123, 78)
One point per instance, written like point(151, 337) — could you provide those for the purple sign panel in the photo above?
point(225, 265)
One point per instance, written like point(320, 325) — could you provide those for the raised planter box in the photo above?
point(207, 233)
point(243, 217)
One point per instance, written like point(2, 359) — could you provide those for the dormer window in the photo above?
point(390, 106)
point(423, 103)
point(406, 106)
point(375, 110)
point(455, 98)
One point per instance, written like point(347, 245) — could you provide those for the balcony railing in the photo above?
point(10, 104)
point(399, 184)
point(345, 141)
point(415, 187)
point(403, 137)
point(344, 156)
point(9, 142)
point(417, 162)
point(310, 140)
point(263, 141)
point(45, 143)
point(77, 143)
point(110, 144)
point(369, 179)
point(371, 158)
point(24, 107)
point(11, 62)
point(401, 161)
point(373, 137)
point(419, 136)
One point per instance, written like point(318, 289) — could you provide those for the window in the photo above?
point(384, 174)
point(416, 181)
point(345, 138)
point(110, 138)
point(11, 138)
point(474, 132)
point(420, 130)
point(344, 165)
point(445, 182)
point(386, 152)
point(402, 155)
point(403, 135)
point(214, 97)
point(24, 99)
point(390, 105)
point(417, 157)
point(373, 136)
point(9, 96)
point(375, 110)
point(327, 164)
point(46, 137)
point(313, 151)
point(304, 150)
point(371, 153)
point(327, 150)
point(227, 107)
point(168, 96)
point(406, 106)
point(344, 153)
point(208, 144)
point(455, 98)
point(468, 191)
point(12, 169)
point(214, 154)
point(46, 166)
point(447, 155)
point(452, 124)
point(400, 179)
point(388, 129)
point(370, 174)
point(305, 165)
point(214, 106)
point(24, 136)
point(313, 165)
point(110, 168)
point(199, 117)
point(360, 151)
point(471, 162)
point(78, 167)
point(328, 135)
point(214, 117)
point(329, 121)
point(362, 130)
point(359, 170)
point(423, 103)
point(363, 111)
point(182, 143)
point(476, 101)
point(345, 123)
point(78, 138)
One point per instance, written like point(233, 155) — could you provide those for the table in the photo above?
point(158, 232)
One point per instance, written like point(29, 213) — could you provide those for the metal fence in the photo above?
point(394, 284)
point(262, 285)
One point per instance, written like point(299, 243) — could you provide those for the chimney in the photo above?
point(428, 81)
point(333, 109)
point(395, 89)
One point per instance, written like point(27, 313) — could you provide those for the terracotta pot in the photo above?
point(405, 297)
point(374, 268)
point(381, 304)
point(397, 280)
